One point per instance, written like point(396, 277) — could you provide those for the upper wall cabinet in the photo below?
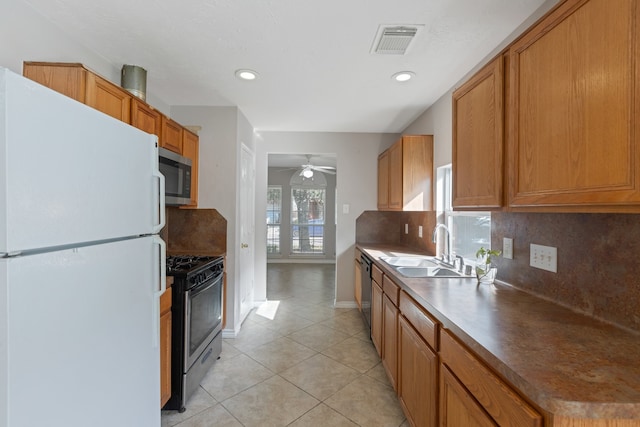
point(405, 175)
point(171, 135)
point(190, 150)
point(478, 140)
point(145, 117)
point(574, 127)
point(81, 84)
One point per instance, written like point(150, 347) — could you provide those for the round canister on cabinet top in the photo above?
point(134, 80)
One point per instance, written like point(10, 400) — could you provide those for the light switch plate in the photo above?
point(507, 247)
point(544, 257)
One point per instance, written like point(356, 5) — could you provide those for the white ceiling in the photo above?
point(316, 72)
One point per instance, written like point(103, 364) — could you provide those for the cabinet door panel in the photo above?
point(68, 79)
point(383, 181)
point(458, 408)
point(145, 117)
point(478, 129)
point(395, 176)
point(417, 172)
point(191, 150)
point(497, 398)
point(390, 340)
point(573, 139)
point(165, 346)
point(417, 377)
point(171, 136)
point(106, 97)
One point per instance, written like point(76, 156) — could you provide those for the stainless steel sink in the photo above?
point(410, 261)
point(420, 266)
point(428, 272)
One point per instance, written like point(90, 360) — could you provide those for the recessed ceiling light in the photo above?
point(246, 74)
point(403, 76)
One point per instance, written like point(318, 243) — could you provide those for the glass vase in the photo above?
point(486, 274)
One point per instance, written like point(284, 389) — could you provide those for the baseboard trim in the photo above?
point(345, 304)
point(300, 261)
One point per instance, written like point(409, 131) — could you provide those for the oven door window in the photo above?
point(205, 315)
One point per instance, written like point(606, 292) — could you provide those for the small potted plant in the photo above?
point(485, 271)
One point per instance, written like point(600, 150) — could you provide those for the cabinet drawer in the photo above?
point(498, 399)
point(376, 274)
point(426, 326)
point(391, 290)
point(165, 301)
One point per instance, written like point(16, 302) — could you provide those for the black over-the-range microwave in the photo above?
point(177, 177)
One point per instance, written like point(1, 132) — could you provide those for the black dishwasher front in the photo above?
point(366, 289)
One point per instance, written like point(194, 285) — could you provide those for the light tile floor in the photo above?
point(311, 365)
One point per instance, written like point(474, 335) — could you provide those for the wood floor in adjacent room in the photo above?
point(297, 361)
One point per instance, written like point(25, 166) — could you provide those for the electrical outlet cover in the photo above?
point(544, 257)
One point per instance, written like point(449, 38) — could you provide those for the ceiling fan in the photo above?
point(308, 169)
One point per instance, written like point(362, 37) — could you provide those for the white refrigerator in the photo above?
point(81, 264)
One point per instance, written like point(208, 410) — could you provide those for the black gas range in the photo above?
point(196, 316)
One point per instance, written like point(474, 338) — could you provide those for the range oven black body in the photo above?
point(196, 316)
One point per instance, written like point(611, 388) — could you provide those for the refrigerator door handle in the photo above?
point(160, 284)
point(159, 202)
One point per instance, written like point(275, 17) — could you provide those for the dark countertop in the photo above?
point(565, 362)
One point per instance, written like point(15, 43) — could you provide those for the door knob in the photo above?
point(244, 245)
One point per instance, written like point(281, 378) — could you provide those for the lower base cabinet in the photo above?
point(469, 391)
point(417, 377)
point(458, 408)
point(390, 340)
point(165, 347)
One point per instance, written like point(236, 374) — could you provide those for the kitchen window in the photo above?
point(274, 211)
point(470, 230)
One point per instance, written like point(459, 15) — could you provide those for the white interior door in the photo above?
point(247, 230)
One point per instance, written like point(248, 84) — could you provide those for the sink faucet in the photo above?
point(446, 253)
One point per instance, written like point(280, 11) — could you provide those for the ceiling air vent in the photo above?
point(394, 40)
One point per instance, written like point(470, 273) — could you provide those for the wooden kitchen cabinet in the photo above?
point(483, 392)
point(190, 150)
point(383, 181)
point(145, 117)
point(83, 85)
point(405, 175)
point(478, 140)
point(390, 316)
point(165, 345)
point(395, 176)
point(417, 377)
point(574, 133)
point(458, 408)
point(171, 135)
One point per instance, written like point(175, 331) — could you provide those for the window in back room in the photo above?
point(470, 230)
point(274, 213)
point(307, 220)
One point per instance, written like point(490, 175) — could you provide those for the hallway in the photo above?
point(296, 362)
